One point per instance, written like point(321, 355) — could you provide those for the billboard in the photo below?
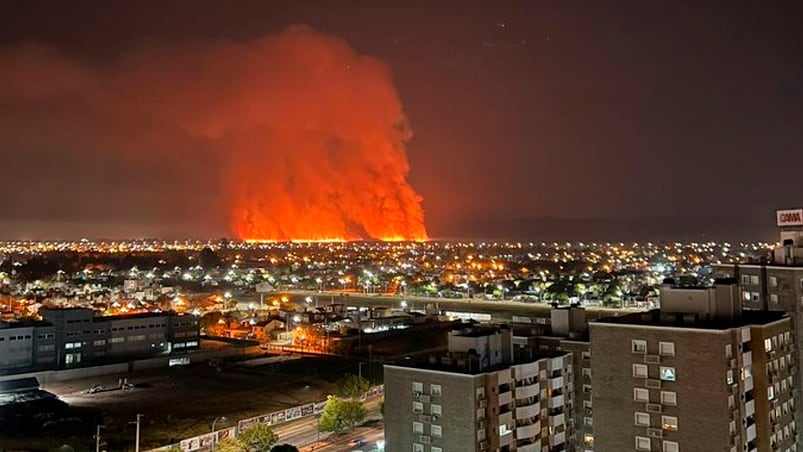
point(790, 217)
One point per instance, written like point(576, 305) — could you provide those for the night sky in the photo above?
point(541, 120)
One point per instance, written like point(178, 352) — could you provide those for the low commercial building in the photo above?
point(73, 337)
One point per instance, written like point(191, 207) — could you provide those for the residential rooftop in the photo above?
point(657, 318)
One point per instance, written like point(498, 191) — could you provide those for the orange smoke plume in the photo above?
point(308, 136)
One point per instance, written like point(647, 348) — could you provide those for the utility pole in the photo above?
point(97, 437)
point(136, 441)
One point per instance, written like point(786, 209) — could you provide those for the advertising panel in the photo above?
point(790, 217)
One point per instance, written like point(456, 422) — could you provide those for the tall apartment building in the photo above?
point(775, 283)
point(480, 398)
point(699, 374)
point(73, 337)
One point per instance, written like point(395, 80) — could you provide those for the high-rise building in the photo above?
point(482, 395)
point(775, 283)
point(699, 374)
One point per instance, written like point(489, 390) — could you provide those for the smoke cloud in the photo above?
point(304, 138)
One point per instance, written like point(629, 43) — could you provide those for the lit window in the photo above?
point(639, 346)
point(588, 439)
point(669, 423)
point(436, 431)
point(669, 398)
point(667, 373)
point(642, 443)
point(504, 430)
point(641, 395)
point(729, 377)
point(670, 446)
point(418, 427)
point(767, 344)
point(641, 419)
point(666, 348)
point(435, 390)
point(746, 295)
point(770, 392)
point(640, 370)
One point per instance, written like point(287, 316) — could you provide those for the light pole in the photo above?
point(136, 441)
point(97, 437)
point(220, 418)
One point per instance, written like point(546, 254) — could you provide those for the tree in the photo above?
point(231, 445)
point(284, 448)
point(352, 386)
point(340, 414)
point(258, 437)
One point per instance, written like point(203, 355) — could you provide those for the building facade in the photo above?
point(478, 398)
point(73, 337)
point(698, 374)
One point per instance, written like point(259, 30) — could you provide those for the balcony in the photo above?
point(528, 431)
point(748, 384)
point(558, 438)
point(555, 383)
point(557, 420)
point(525, 412)
point(506, 418)
point(528, 391)
point(750, 408)
point(747, 358)
point(556, 402)
point(505, 398)
point(751, 433)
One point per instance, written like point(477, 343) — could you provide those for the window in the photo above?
point(669, 423)
point(435, 390)
point(418, 387)
point(670, 446)
point(641, 419)
point(729, 377)
point(774, 298)
point(746, 295)
point(767, 344)
point(418, 447)
point(586, 372)
point(745, 280)
point(639, 346)
point(642, 443)
point(641, 395)
point(728, 351)
point(770, 392)
point(773, 281)
point(588, 439)
point(640, 370)
point(667, 373)
point(435, 410)
point(480, 393)
point(588, 421)
point(435, 449)
point(418, 428)
point(436, 431)
point(669, 398)
point(754, 280)
point(666, 348)
point(504, 430)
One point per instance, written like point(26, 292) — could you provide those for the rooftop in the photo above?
point(657, 318)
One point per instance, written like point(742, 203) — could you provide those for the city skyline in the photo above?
point(540, 122)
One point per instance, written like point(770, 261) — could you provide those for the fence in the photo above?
point(208, 440)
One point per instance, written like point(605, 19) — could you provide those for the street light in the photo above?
point(136, 443)
point(220, 418)
point(97, 437)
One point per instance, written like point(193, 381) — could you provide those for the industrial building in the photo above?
point(73, 337)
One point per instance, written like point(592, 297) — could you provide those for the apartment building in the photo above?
point(775, 283)
point(478, 397)
point(73, 337)
point(698, 374)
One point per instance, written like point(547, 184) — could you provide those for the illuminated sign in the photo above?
point(790, 217)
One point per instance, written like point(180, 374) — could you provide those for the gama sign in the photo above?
point(790, 217)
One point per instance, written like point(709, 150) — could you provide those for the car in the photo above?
point(356, 442)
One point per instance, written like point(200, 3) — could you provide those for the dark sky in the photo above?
point(687, 114)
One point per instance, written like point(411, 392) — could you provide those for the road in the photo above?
point(303, 433)
point(501, 311)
